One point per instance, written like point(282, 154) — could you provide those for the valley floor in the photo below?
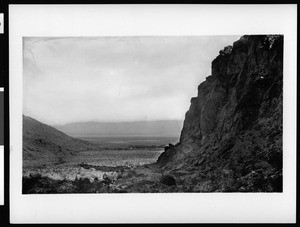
point(105, 171)
point(146, 178)
point(132, 169)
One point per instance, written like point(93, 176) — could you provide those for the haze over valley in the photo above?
point(135, 128)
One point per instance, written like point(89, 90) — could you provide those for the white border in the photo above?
point(2, 168)
point(1, 23)
point(1, 175)
point(124, 20)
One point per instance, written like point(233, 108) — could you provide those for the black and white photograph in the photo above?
point(107, 114)
point(152, 113)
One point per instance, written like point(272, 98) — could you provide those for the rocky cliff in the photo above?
point(232, 134)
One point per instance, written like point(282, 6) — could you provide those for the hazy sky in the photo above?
point(115, 78)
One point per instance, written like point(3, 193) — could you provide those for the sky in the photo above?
point(115, 79)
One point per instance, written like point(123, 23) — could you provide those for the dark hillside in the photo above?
point(41, 141)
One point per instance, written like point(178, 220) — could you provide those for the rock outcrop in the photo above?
point(232, 134)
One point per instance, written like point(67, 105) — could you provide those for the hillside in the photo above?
point(232, 134)
point(149, 128)
point(43, 142)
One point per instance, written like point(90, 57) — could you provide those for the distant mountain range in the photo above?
point(136, 128)
point(43, 142)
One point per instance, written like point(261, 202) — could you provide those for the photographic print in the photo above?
point(152, 114)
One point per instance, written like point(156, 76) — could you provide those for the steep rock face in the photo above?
point(232, 134)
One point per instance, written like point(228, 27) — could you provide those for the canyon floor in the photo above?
point(86, 173)
point(116, 168)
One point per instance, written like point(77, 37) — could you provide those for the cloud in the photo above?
point(115, 78)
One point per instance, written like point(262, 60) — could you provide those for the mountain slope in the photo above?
point(165, 127)
point(232, 134)
point(41, 141)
